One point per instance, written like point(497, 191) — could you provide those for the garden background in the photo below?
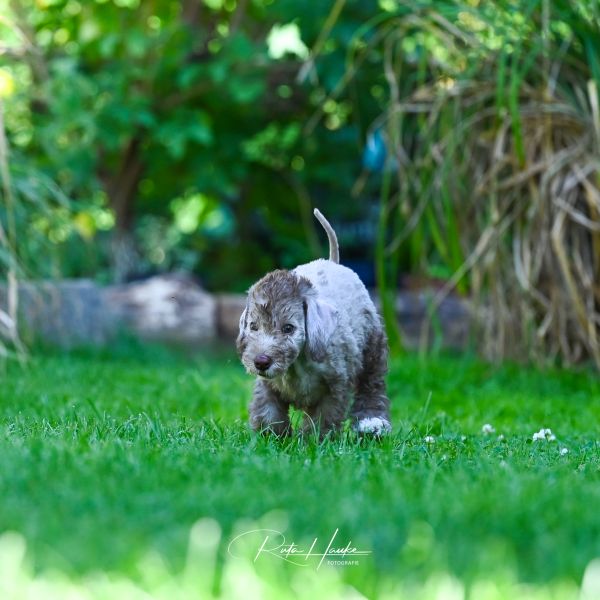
point(455, 147)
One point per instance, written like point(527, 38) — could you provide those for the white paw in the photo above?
point(374, 425)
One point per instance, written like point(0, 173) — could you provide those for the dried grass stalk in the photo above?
point(505, 167)
point(9, 334)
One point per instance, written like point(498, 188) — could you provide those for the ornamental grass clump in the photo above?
point(492, 127)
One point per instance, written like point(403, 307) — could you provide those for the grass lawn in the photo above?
point(131, 472)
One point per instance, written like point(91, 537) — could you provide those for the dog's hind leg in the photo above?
point(268, 412)
point(371, 409)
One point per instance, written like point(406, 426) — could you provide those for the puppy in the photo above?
point(313, 339)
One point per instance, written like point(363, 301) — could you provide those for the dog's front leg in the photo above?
point(268, 412)
point(328, 414)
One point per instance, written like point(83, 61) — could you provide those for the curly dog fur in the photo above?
point(314, 340)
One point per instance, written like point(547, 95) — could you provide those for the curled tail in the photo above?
point(334, 250)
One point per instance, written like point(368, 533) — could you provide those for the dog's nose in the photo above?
point(262, 362)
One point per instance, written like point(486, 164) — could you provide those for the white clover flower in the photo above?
point(488, 429)
point(463, 438)
point(544, 434)
point(501, 437)
point(564, 451)
point(429, 439)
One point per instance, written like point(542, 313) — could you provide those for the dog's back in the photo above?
point(341, 287)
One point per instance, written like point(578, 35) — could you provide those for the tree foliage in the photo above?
point(182, 122)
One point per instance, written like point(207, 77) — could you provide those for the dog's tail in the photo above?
point(334, 250)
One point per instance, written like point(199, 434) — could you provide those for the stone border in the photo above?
point(175, 309)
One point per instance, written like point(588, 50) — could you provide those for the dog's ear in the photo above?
point(321, 321)
point(241, 338)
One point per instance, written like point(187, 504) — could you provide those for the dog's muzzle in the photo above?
point(262, 362)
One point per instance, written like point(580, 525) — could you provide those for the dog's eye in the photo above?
point(288, 328)
point(254, 326)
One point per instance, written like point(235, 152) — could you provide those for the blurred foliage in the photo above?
point(178, 125)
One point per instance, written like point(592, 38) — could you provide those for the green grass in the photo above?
point(108, 460)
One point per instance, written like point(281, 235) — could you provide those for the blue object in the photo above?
point(375, 152)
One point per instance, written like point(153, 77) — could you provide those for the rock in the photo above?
point(168, 308)
point(229, 310)
point(65, 313)
point(451, 322)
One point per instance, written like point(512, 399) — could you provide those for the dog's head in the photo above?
point(283, 316)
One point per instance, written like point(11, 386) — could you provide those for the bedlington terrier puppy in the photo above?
point(313, 339)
